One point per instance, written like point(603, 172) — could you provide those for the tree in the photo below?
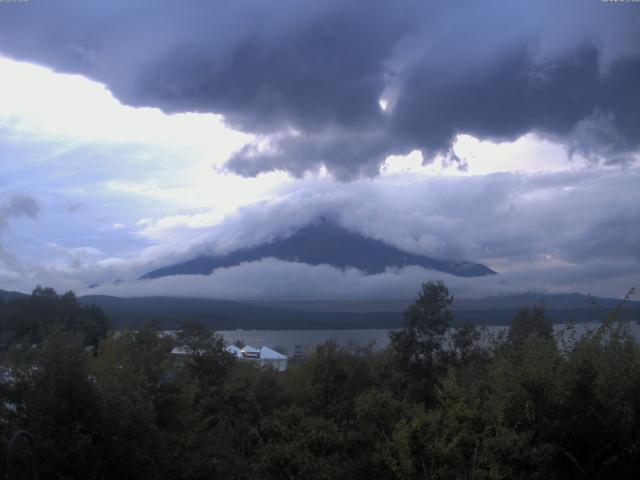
point(529, 321)
point(29, 319)
point(208, 362)
point(419, 345)
point(146, 409)
point(58, 404)
point(465, 342)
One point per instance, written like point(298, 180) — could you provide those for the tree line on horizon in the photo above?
point(436, 403)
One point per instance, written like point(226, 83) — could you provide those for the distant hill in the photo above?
point(7, 296)
point(548, 300)
point(561, 301)
point(169, 312)
point(325, 242)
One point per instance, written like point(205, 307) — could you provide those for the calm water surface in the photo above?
point(285, 340)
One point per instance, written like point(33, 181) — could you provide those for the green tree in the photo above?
point(529, 321)
point(146, 405)
point(419, 345)
point(207, 359)
point(58, 404)
point(29, 319)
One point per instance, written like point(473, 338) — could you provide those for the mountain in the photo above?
point(7, 296)
point(493, 310)
point(325, 243)
point(169, 312)
point(550, 301)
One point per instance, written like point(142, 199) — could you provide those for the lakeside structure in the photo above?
point(263, 357)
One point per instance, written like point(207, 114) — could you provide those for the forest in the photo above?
point(437, 403)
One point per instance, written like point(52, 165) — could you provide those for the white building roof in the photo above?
point(181, 350)
point(233, 350)
point(268, 354)
point(250, 349)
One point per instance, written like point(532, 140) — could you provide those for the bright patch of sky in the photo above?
point(527, 154)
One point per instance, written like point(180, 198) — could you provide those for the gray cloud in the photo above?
point(274, 279)
point(309, 76)
point(15, 207)
point(565, 231)
point(18, 206)
point(501, 218)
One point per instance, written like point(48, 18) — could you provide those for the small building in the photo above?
point(264, 357)
point(300, 353)
point(271, 358)
point(235, 351)
point(250, 352)
point(181, 350)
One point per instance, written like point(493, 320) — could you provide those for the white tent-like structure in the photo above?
point(181, 350)
point(250, 352)
point(268, 354)
point(264, 357)
point(235, 351)
point(273, 359)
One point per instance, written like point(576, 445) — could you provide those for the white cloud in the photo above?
point(37, 102)
point(277, 280)
point(567, 231)
point(527, 154)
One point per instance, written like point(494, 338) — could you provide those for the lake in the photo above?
point(285, 340)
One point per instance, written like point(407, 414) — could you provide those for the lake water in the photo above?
point(285, 340)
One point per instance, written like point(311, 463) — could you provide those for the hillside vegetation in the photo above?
point(432, 405)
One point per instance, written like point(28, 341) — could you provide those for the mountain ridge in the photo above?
point(170, 312)
point(229, 314)
point(321, 243)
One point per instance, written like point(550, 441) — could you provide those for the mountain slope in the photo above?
point(169, 312)
point(325, 243)
point(561, 305)
point(550, 301)
point(7, 296)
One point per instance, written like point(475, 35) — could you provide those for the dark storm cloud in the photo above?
point(308, 76)
point(345, 153)
point(514, 97)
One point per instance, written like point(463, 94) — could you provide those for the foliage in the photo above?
point(419, 346)
point(529, 321)
point(29, 319)
point(438, 403)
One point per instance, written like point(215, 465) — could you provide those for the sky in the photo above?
point(134, 135)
